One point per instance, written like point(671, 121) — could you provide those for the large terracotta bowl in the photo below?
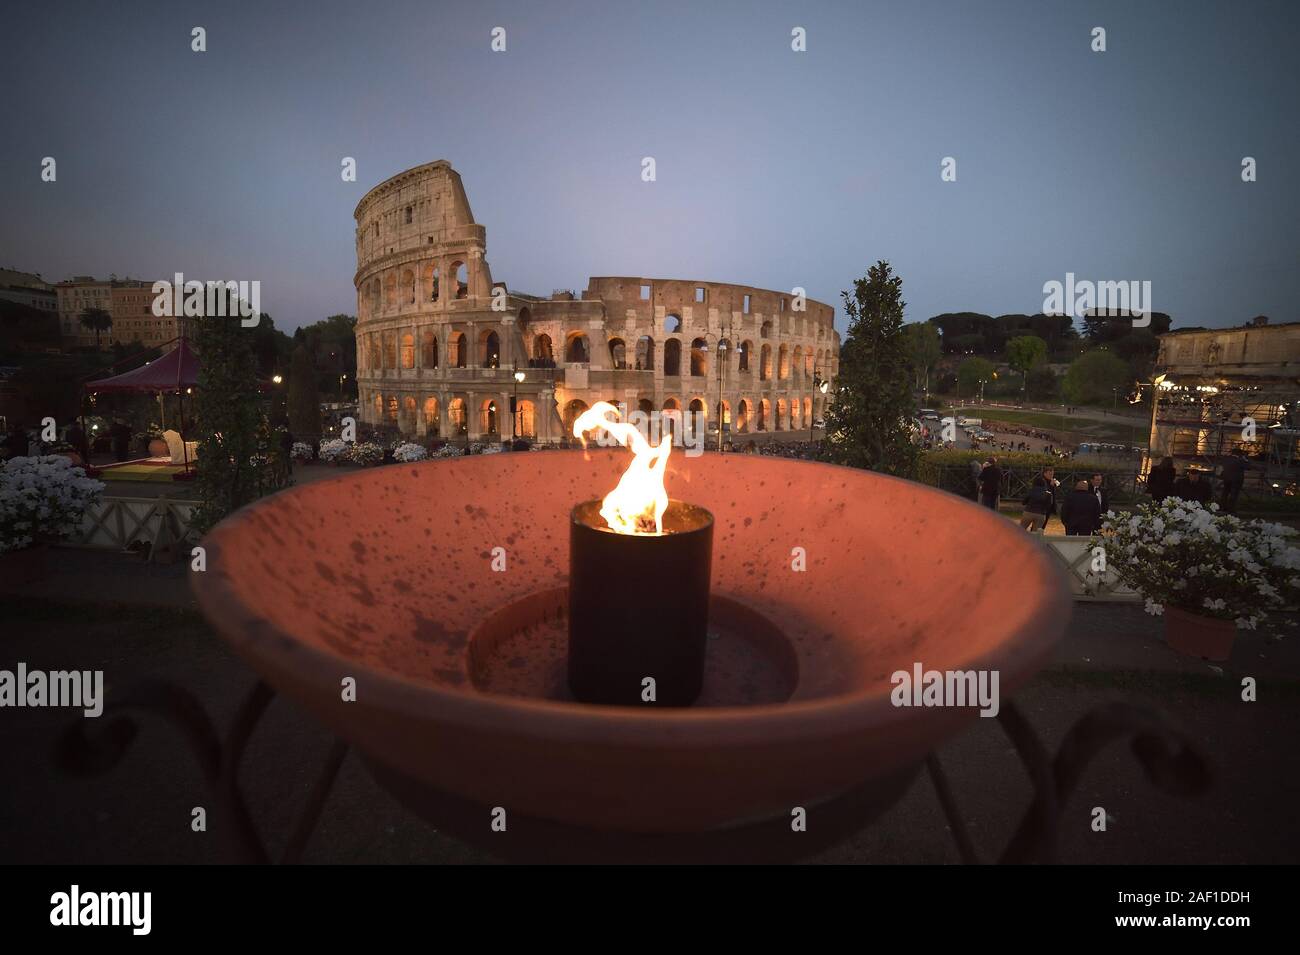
point(386, 576)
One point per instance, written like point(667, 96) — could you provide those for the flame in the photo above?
point(638, 503)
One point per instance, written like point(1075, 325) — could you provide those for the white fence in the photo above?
point(1076, 557)
point(118, 523)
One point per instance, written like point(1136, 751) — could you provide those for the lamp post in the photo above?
point(514, 412)
point(722, 358)
point(822, 385)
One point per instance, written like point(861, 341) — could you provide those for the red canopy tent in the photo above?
point(176, 372)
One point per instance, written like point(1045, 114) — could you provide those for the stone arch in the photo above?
point(429, 346)
point(576, 349)
point(795, 416)
point(645, 406)
point(408, 350)
point(430, 277)
point(699, 358)
point(672, 324)
point(645, 353)
point(668, 423)
point(525, 419)
point(460, 274)
point(617, 353)
point(764, 413)
point(431, 415)
point(796, 364)
point(390, 349)
point(408, 287)
point(783, 361)
point(808, 411)
point(743, 352)
point(673, 357)
point(743, 411)
point(489, 348)
point(765, 363)
point(391, 416)
point(456, 349)
point(390, 291)
point(766, 330)
point(572, 411)
point(542, 348)
point(780, 414)
point(724, 415)
point(457, 418)
point(489, 418)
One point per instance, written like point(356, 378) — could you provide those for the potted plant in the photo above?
point(1208, 573)
point(334, 451)
point(42, 499)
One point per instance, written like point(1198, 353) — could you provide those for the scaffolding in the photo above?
point(1199, 421)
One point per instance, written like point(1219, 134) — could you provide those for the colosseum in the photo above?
point(444, 350)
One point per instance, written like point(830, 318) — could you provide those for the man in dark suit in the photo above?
point(990, 484)
point(1099, 492)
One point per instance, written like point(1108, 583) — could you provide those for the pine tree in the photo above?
point(234, 462)
point(867, 424)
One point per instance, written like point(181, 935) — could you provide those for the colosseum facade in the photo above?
point(444, 350)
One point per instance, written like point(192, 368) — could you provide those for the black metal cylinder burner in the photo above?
point(639, 608)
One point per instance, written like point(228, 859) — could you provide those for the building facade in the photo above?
point(440, 343)
point(129, 302)
point(29, 289)
point(1222, 389)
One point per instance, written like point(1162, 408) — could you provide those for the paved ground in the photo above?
point(140, 812)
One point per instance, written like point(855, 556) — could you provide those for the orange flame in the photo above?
point(638, 503)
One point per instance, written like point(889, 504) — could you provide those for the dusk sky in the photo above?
point(775, 168)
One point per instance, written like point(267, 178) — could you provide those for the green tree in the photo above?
point(970, 373)
point(923, 351)
point(1040, 383)
point(235, 463)
point(867, 422)
point(1092, 378)
point(304, 401)
point(97, 320)
point(1024, 352)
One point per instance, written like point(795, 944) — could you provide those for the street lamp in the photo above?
point(822, 385)
point(514, 417)
point(722, 358)
point(277, 379)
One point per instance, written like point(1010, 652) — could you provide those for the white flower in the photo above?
point(1154, 608)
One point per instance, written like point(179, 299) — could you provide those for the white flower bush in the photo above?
point(42, 498)
point(407, 451)
point(448, 451)
point(301, 451)
point(366, 454)
point(334, 450)
point(1180, 554)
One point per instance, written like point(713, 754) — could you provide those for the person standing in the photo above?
point(976, 469)
point(1160, 482)
point(1099, 492)
point(1234, 476)
point(1040, 503)
point(1190, 487)
point(990, 484)
point(1081, 511)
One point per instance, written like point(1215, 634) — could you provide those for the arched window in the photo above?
point(408, 287)
point(699, 358)
point(408, 215)
point(670, 421)
point(645, 353)
point(783, 362)
point(672, 324)
point(617, 353)
point(456, 350)
point(390, 349)
point(576, 351)
point(392, 409)
point(765, 363)
point(429, 349)
point(724, 414)
point(431, 281)
point(542, 348)
point(390, 291)
point(525, 419)
point(408, 351)
point(456, 416)
point(742, 416)
point(488, 411)
point(459, 270)
point(743, 352)
point(431, 415)
point(764, 412)
point(766, 330)
point(780, 414)
point(672, 357)
point(572, 411)
point(490, 349)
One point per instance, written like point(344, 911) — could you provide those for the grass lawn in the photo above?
point(1113, 430)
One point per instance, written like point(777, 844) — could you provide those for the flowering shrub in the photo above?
point(1180, 554)
point(334, 450)
point(406, 452)
point(301, 451)
point(448, 451)
point(42, 497)
point(365, 454)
